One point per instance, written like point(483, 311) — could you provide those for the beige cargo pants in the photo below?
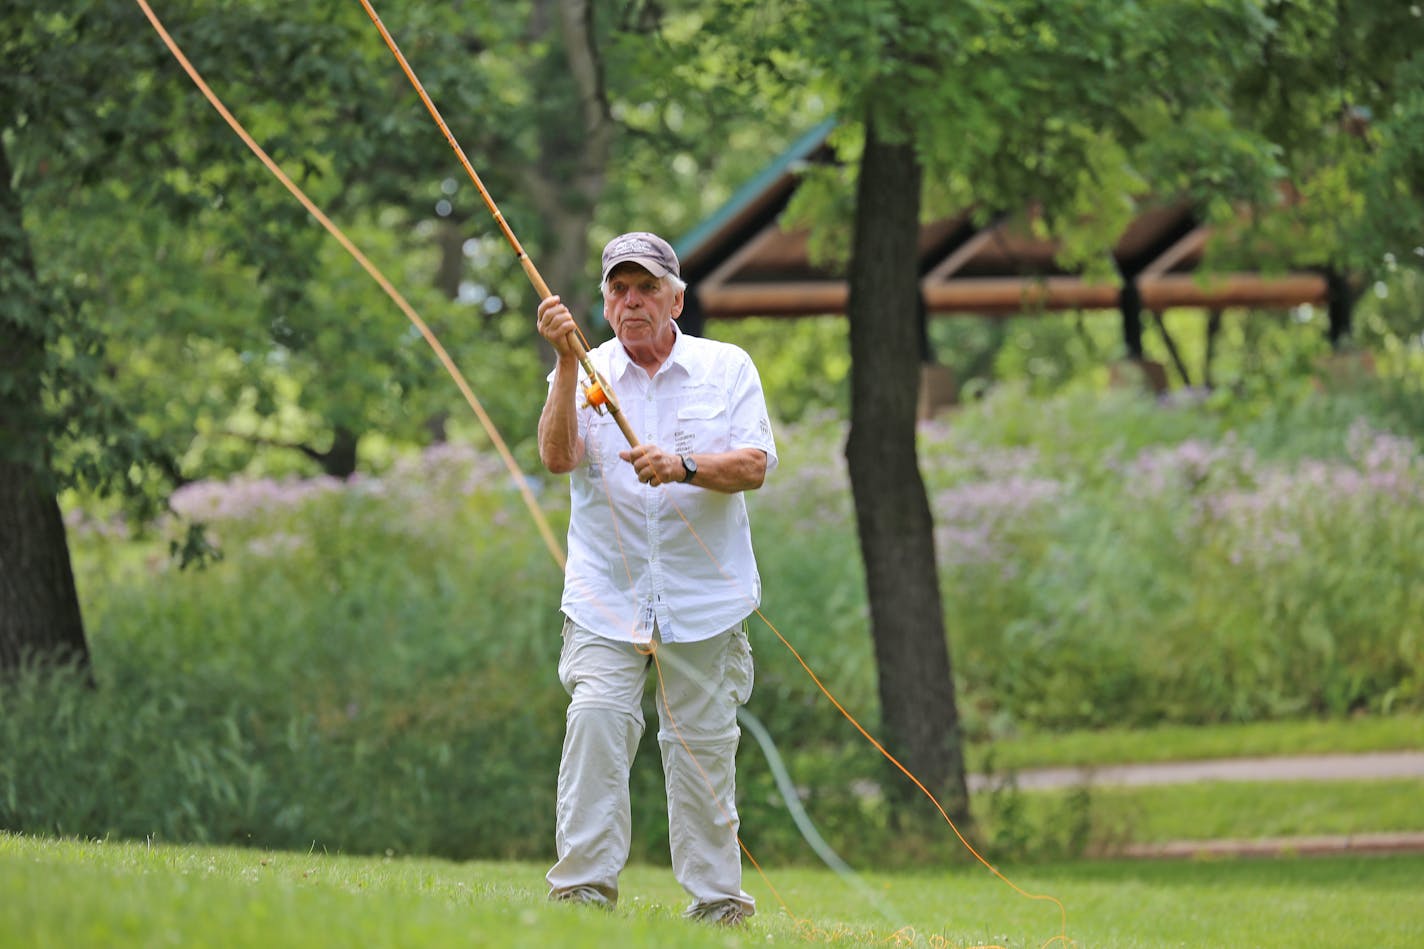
point(703, 683)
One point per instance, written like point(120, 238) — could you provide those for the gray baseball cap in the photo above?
point(648, 250)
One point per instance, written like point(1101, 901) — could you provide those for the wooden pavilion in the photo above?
point(740, 263)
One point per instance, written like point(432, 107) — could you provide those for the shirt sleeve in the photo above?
point(750, 421)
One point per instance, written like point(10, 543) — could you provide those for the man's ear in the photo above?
point(677, 302)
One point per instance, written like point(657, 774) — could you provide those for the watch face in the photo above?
point(689, 466)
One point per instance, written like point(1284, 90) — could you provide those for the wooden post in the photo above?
point(1213, 330)
point(1130, 302)
point(1341, 301)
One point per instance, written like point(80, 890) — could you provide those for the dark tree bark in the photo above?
point(39, 607)
point(916, 685)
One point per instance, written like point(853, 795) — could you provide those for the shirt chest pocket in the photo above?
point(703, 424)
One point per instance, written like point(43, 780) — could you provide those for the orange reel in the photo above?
point(594, 397)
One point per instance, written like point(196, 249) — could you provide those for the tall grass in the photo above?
point(1109, 575)
point(371, 667)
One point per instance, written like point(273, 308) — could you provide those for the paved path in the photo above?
point(1313, 846)
point(1369, 766)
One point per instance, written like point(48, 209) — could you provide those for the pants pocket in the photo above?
point(565, 655)
point(741, 674)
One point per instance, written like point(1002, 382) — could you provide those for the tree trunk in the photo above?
point(921, 721)
point(39, 607)
point(568, 181)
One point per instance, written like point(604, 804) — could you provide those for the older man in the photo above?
point(660, 571)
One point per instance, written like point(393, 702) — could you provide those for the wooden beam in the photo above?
point(1190, 244)
point(972, 294)
point(774, 299)
point(728, 268)
point(962, 255)
point(1013, 295)
point(1225, 290)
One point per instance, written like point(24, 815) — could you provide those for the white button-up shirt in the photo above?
point(633, 560)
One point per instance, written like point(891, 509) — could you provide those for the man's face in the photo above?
point(639, 306)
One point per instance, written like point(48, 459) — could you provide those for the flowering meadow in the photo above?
point(371, 664)
point(1200, 579)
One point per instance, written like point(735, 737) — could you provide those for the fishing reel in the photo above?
point(595, 396)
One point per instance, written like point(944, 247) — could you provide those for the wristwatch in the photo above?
point(690, 467)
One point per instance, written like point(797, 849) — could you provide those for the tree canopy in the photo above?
point(1304, 113)
point(176, 314)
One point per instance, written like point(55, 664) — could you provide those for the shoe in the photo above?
point(585, 895)
point(720, 913)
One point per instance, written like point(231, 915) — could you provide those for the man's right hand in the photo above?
point(556, 324)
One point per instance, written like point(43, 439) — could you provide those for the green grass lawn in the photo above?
point(68, 894)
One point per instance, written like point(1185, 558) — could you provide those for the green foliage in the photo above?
point(1389, 319)
point(112, 148)
point(1054, 826)
point(804, 364)
point(284, 704)
point(304, 689)
point(231, 325)
point(1335, 86)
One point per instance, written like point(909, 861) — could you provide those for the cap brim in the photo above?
point(647, 263)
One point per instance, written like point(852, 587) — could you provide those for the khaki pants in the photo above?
point(703, 683)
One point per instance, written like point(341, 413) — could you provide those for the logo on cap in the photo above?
point(647, 249)
point(625, 246)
